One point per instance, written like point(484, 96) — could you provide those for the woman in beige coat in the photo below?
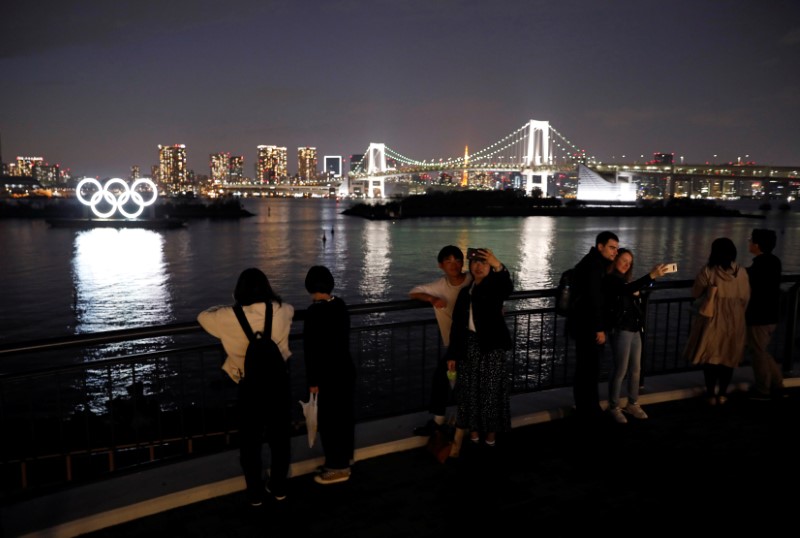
point(718, 342)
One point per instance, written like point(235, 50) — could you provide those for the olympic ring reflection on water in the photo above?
point(116, 200)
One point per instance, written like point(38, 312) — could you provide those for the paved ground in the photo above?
point(690, 466)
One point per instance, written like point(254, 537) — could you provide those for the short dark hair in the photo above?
point(450, 250)
point(253, 287)
point(319, 280)
point(723, 253)
point(765, 239)
point(604, 237)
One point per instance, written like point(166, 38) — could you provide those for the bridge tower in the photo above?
point(539, 159)
point(375, 163)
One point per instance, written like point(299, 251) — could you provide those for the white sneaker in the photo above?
point(636, 411)
point(617, 415)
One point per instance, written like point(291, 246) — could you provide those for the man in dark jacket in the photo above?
point(763, 312)
point(587, 325)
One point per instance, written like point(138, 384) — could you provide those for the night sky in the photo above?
point(96, 85)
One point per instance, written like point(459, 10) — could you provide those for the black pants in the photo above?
point(336, 422)
point(588, 356)
point(441, 393)
point(264, 418)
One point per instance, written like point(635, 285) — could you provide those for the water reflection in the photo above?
point(119, 275)
point(377, 248)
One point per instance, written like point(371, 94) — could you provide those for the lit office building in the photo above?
point(236, 169)
point(333, 165)
point(307, 163)
point(220, 167)
point(46, 174)
point(172, 168)
point(25, 166)
point(271, 164)
point(135, 173)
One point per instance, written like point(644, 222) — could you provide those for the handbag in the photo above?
point(707, 305)
point(310, 412)
point(445, 441)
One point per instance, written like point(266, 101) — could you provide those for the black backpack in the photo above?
point(565, 295)
point(265, 371)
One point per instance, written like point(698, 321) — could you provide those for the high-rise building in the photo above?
point(25, 166)
point(46, 174)
point(333, 165)
point(135, 172)
point(220, 164)
point(271, 164)
point(236, 169)
point(307, 163)
point(172, 171)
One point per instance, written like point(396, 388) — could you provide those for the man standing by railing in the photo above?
point(762, 314)
point(442, 294)
point(585, 324)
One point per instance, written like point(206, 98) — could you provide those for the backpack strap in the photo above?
point(239, 311)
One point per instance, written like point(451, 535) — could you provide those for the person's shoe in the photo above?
point(757, 396)
point(721, 400)
point(427, 430)
point(636, 411)
point(333, 477)
point(616, 414)
point(277, 495)
point(711, 400)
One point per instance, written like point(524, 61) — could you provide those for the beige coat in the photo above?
point(720, 339)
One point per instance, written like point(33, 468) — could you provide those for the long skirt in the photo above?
point(482, 390)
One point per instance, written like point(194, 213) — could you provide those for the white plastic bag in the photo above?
point(310, 412)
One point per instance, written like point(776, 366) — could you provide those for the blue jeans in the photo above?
point(626, 346)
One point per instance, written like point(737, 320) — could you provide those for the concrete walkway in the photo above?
point(687, 456)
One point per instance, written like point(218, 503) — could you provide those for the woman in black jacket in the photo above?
point(479, 339)
point(624, 321)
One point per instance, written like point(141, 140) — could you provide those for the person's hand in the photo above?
point(600, 338)
point(438, 302)
point(451, 366)
point(658, 271)
point(490, 258)
point(313, 390)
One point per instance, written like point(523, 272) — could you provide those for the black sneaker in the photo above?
point(427, 430)
point(278, 495)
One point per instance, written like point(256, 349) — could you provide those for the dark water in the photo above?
point(58, 282)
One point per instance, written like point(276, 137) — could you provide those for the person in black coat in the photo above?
point(330, 374)
point(479, 340)
point(586, 324)
point(763, 313)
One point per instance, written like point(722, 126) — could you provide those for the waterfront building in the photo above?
point(236, 169)
point(271, 164)
point(307, 163)
point(25, 165)
point(592, 187)
point(220, 164)
point(172, 172)
point(135, 172)
point(333, 165)
point(46, 174)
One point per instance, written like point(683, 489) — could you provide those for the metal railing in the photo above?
point(162, 395)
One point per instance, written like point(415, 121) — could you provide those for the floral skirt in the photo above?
point(482, 390)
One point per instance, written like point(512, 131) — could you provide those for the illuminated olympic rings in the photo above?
point(116, 198)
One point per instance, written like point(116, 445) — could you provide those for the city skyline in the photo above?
point(96, 87)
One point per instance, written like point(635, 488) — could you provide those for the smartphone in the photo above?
point(472, 253)
point(672, 268)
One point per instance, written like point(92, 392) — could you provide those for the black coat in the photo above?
point(765, 290)
point(623, 306)
point(487, 311)
point(587, 316)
